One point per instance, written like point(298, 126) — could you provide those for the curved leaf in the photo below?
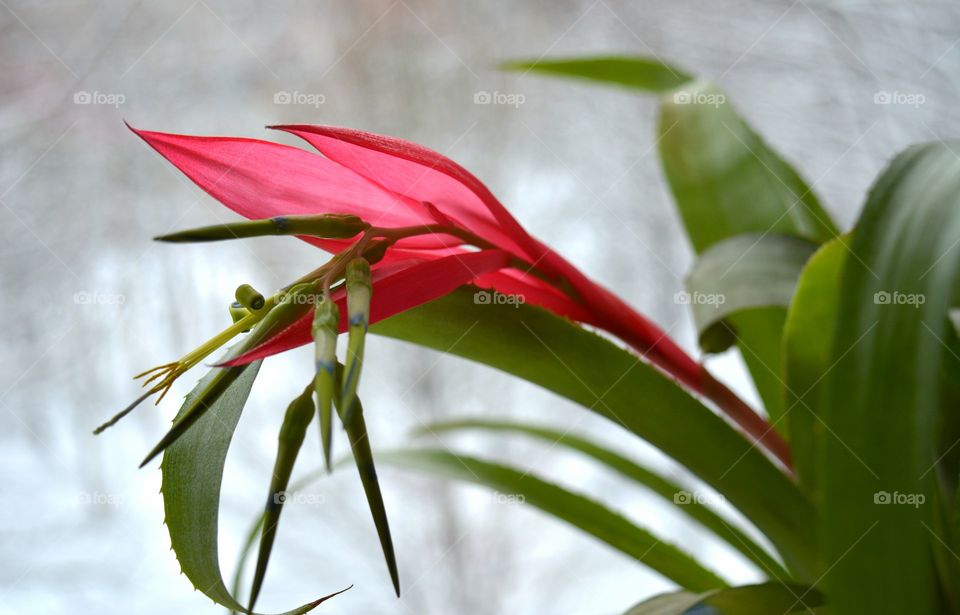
point(638, 73)
point(807, 341)
point(739, 290)
point(747, 272)
point(725, 179)
point(589, 516)
point(727, 182)
point(669, 491)
point(881, 398)
point(763, 599)
point(192, 471)
point(538, 346)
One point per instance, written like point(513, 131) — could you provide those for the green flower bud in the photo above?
point(326, 318)
point(359, 291)
point(328, 226)
point(248, 297)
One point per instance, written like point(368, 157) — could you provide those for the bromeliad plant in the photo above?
point(851, 471)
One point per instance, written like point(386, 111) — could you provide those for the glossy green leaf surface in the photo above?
point(725, 179)
point(808, 341)
point(653, 481)
point(581, 512)
point(192, 473)
point(552, 352)
point(881, 397)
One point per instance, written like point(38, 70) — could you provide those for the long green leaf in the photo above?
point(633, 72)
point(727, 182)
point(725, 179)
point(807, 341)
point(881, 398)
point(669, 491)
point(576, 510)
point(192, 470)
point(552, 352)
point(762, 599)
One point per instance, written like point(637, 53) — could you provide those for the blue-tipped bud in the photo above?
point(249, 297)
point(359, 292)
point(326, 319)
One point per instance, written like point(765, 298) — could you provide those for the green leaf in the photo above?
point(807, 341)
point(192, 471)
point(639, 73)
point(356, 429)
point(747, 272)
point(576, 510)
point(725, 179)
point(739, 290)
point(669, 491)
point(763, 599)
point(727, 182)
point(292, 432)
point(881, 399)
point(562, 357)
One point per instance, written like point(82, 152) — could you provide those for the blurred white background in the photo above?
point(89, 300)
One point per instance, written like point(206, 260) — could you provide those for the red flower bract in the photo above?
point(390, 182)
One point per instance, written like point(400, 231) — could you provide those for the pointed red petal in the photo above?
point(259, 179)
point(426, 176)
point(397, 287)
